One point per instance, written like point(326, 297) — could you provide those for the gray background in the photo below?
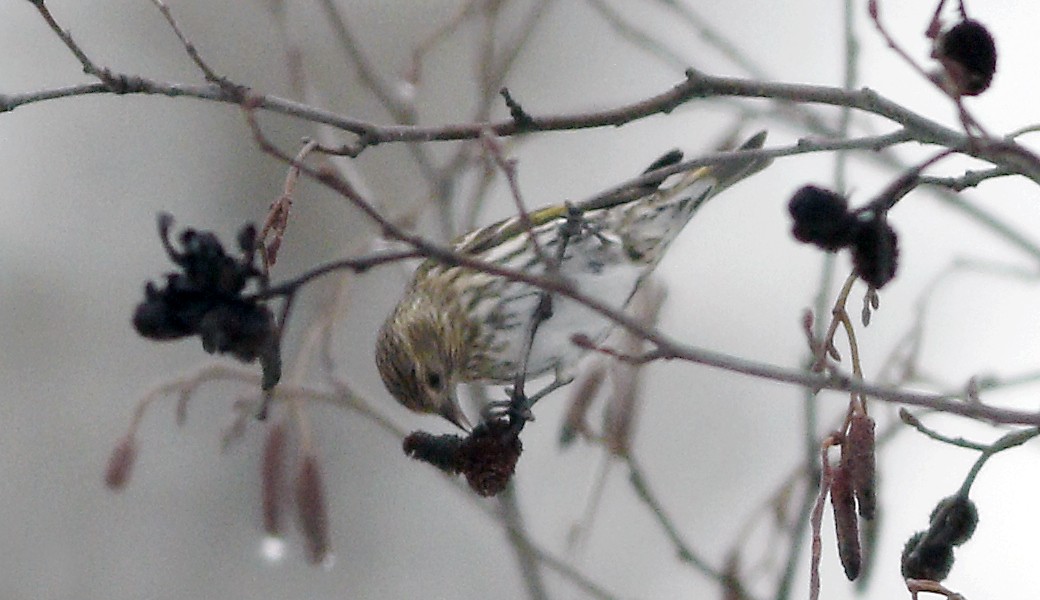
point(83, 179)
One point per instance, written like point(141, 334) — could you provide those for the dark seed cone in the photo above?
point(968, 55)
point(926, 561)
point(858, 460)
point(846, 523)
point(489, 456)
point(241, 329)
point(953, 521)
point(821, 217)
point(875, 252)
point(207, 297)
point(486, 457)
point(441, 451)
point(154, 320)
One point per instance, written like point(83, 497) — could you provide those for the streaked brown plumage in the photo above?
point(456, 325)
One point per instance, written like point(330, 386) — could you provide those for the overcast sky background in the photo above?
point(83, 179)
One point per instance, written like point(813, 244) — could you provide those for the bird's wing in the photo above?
point(479, 241)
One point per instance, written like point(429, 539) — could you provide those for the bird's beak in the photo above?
point(453, 412)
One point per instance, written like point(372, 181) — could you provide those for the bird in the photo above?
point(456, 324)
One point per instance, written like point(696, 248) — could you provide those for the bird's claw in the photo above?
point(516, 412)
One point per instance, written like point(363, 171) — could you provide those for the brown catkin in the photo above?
point(846, 523)
point(310, 508)
point(858, 459)
point(272, 473)
point(121, 463)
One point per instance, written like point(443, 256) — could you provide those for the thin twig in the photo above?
point(398, 104)
point(810, 400)
point(358, 265)
point(639, 38)
point(646, 495)
point(530, 571)
point(1010, 155)
point(826, 344)
point(668, 348)
point(277, 220)
point(916, 586)
point(89, 67)
point(816, 519)
point(401, 110)
point(189, 47)
point(715, 38)
point(910, 419)
point(969, 179)
point(967, 120)
point(442, 32)
point(220, 372)
point(508, 168)
point(492, 72)
point(1009, 440)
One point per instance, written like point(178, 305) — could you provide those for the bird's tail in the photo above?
point(652, 222)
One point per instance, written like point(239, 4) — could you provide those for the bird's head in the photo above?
point(418, 354)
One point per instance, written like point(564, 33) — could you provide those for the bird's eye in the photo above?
point(433, 379)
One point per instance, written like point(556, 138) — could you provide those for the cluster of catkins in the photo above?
point(486, 457)
point(822, 218)
point(207, 297)
point(853, 490)
point(928, 554)
point(967, 57)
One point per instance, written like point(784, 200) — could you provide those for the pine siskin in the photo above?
point(457, 325)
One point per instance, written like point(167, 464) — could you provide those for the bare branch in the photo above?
point(686, 553)
point(193, 52)
point(638, 37)
point(66, 37)
point(969, 179)
point(665, 346)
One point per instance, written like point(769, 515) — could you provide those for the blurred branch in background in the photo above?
point(460, 183)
